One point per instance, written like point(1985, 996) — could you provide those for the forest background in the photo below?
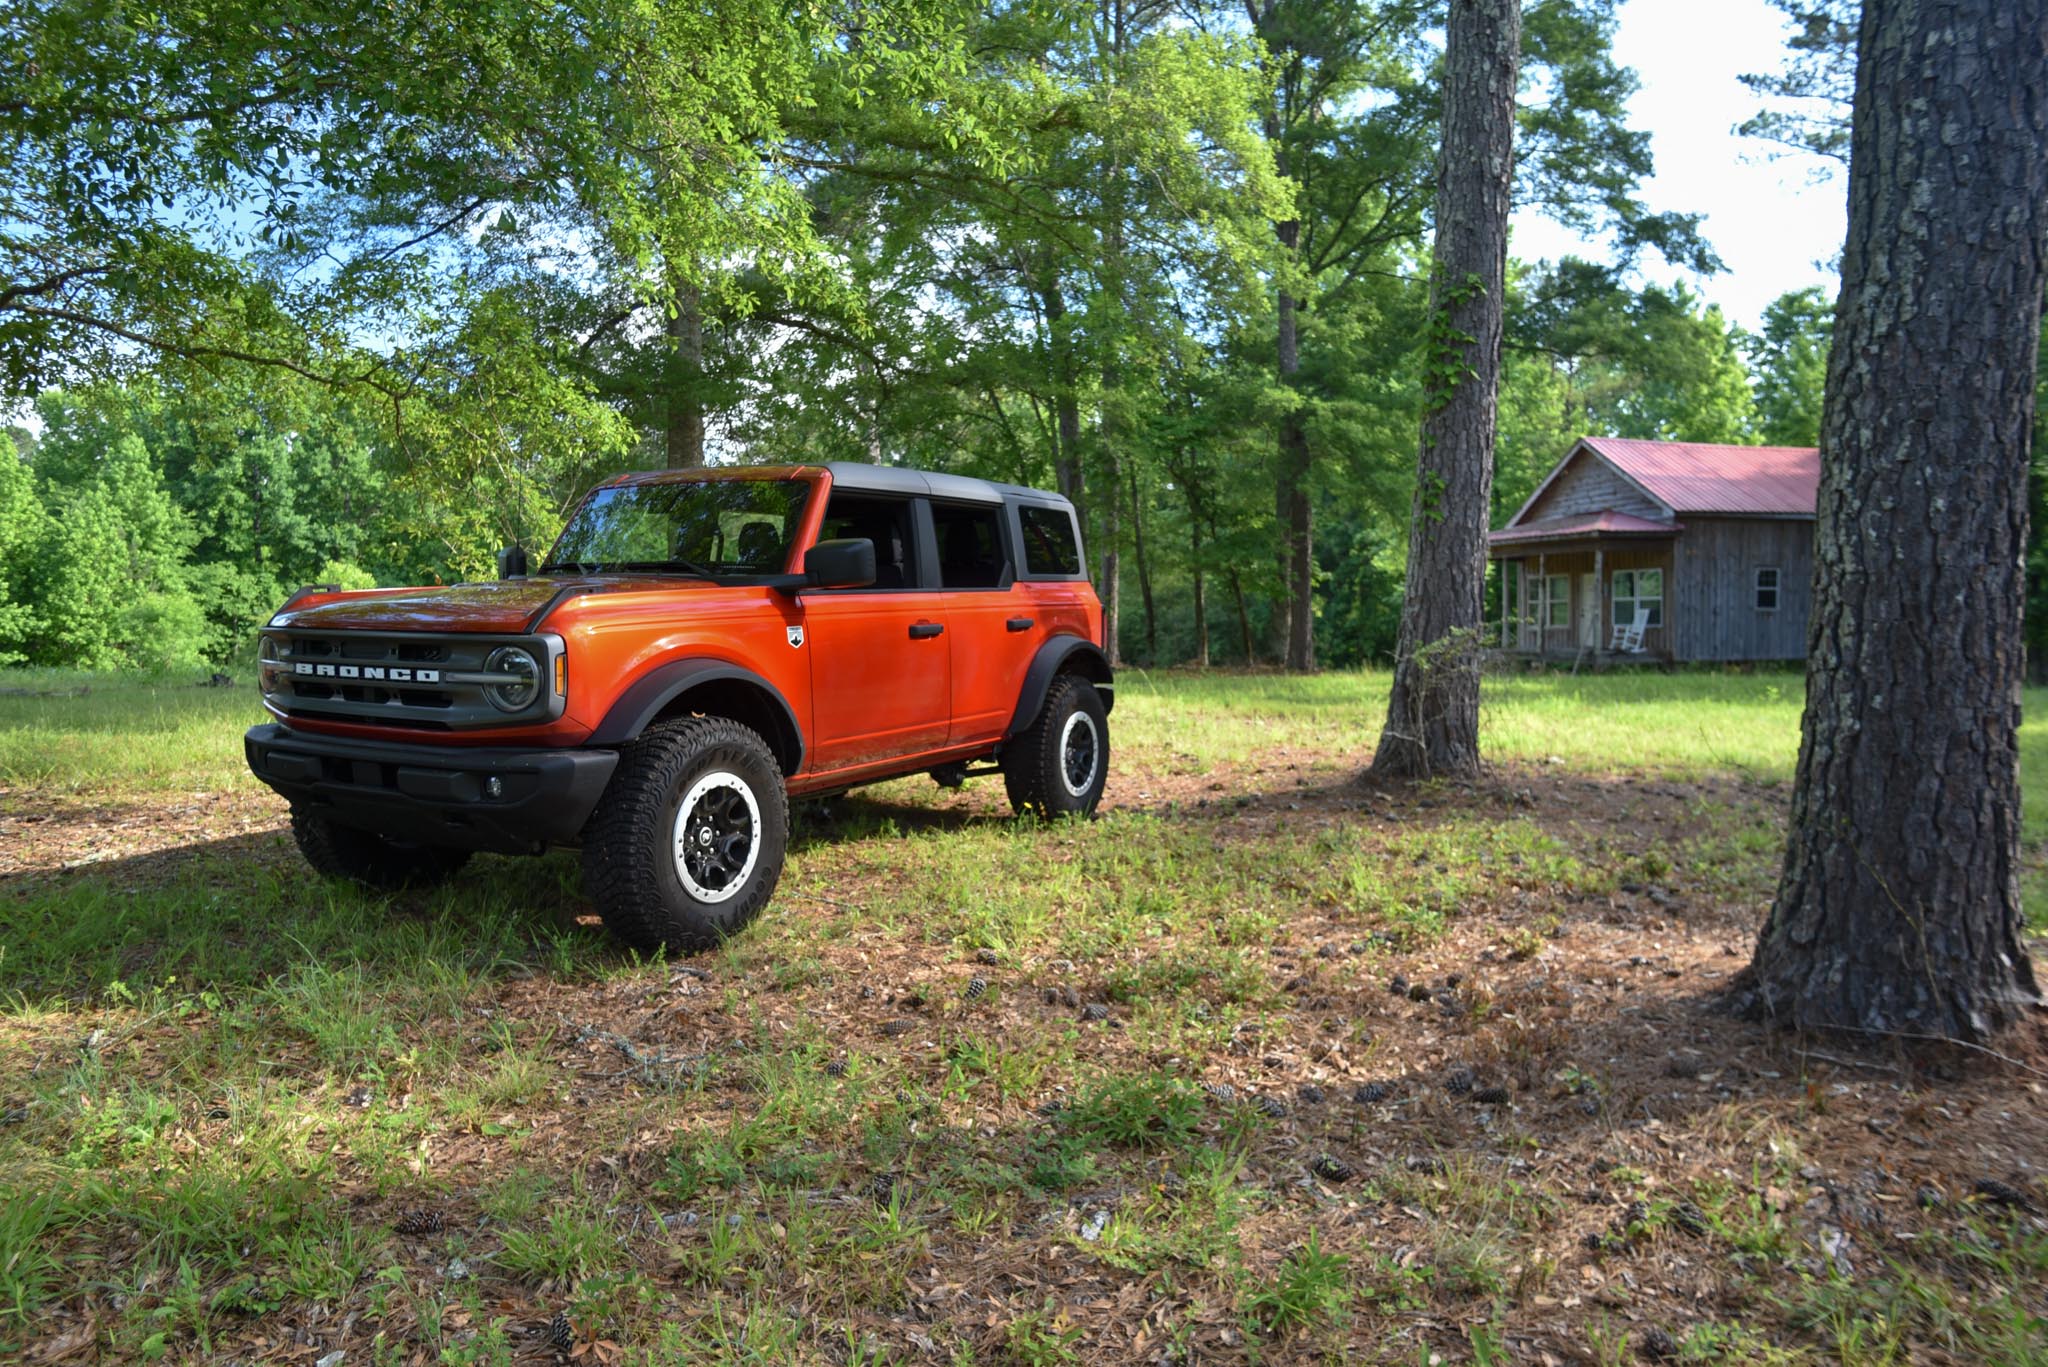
point(363, 297)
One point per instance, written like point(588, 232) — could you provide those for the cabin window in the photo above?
point(1635, 589)
point(1554, 601)
point(1767, 589)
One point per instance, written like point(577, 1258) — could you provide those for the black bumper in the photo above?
point(436, 794)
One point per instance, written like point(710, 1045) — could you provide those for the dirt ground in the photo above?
point(1550, 1074)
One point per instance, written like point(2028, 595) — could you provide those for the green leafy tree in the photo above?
point(1788, 357)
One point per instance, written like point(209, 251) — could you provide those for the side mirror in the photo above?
point(844, 564)
point(512, 563)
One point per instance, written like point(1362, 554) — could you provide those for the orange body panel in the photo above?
point(875, 691)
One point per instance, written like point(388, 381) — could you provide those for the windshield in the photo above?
point(708, 527)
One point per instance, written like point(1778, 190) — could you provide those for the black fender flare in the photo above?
point(653, 691)
point(1061, 655)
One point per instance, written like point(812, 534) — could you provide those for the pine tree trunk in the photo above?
point(685, 429)
point(1066, 461)
point(1244, 617)
point(1433, 713)
point(1144, 574)
point(1201, 595)
point(1297, 549)
point(1898, 908)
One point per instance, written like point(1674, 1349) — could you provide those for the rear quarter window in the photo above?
point(1050, 546)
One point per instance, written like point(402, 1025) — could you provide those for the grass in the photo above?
point(238, 1105)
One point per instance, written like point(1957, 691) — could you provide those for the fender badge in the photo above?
point(796, 637)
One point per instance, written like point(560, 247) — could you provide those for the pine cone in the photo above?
point(1458, 1082)
point(1493, 1096)
point(560, 1335)
point(1999, 1193)
point(987, 956)
point(1095, 1011)
point(1332, 1169)
point(882, 1188)
point(1312, 1095)
point(1222, 1091)
point(892, 1029)
point(976, 989)
point(1271, 1107)
point(835, 1067)
point(1691, 1219)
point(1372, 1093)
point(417, 1222)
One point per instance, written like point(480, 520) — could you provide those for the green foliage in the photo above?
point(1789, 359)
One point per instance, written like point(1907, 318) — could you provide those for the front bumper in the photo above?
point(435, 794)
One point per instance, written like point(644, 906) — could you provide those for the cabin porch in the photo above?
point(1566, 601)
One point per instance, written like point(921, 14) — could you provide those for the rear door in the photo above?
point(993, 628)
point(881, 675)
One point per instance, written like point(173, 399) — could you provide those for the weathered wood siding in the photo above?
point(1589, 484)
point(1711, 597)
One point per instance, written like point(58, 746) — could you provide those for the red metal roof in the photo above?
point(1609, 523)
point(1693, 477)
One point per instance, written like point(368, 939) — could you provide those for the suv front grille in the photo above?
point(390, 678)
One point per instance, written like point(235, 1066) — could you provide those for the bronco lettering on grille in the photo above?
point(390, 674)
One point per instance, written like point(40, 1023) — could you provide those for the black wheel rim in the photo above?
point(717, 837)
point(1078, 749)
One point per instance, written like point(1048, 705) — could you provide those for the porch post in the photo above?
point(1543, 608)
point(1599, 595)
point(1505, 606)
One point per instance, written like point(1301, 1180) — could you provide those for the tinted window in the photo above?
point(884, 521)
point(970, 547)
point(738, 526)
point(1049, 544)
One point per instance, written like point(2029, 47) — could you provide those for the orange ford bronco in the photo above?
point(699, 647)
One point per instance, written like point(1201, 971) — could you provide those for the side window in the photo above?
point(970, 546)
point(884, 521)
point(1050, 546)
point(1767, 590)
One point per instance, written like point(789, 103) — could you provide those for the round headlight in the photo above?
point(522, 679)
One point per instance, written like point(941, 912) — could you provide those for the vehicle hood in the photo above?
point(504, 605)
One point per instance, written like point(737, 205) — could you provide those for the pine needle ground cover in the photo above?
point(1263, 1065)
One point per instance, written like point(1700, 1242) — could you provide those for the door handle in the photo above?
point(924, 631)
point(1021, 623)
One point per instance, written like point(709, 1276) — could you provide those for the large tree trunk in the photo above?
point(1144, 573)
point(1201, 595)
point(685, 426)
point(1244, 617)
point(1433, 713)
point(1066, 461)
point(1898, 909)
point(1297, 549)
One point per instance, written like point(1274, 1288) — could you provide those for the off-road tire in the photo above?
point(349, 855)
point(631, 870)
point(1035, 764)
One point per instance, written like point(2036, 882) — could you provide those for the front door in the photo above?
point(881, 677)
point(1589, 610)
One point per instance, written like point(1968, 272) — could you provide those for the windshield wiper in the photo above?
point(686, 567)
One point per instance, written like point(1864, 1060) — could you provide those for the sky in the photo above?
point(1773, 226)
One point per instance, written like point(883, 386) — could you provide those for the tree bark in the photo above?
point(1898, 907)
point(1297, 549)
point(1244, 617)
point(1066, 461)
point(685, 432)
point(1144, 574)
point(1433, 712)
point(1201, 594)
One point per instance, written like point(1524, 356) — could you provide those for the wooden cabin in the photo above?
point(1707, 549)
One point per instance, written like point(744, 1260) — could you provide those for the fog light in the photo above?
point(494, 787)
